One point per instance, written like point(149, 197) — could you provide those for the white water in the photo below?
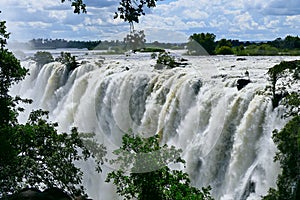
point(225, 134)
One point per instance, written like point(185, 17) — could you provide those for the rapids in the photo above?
point(225, 134)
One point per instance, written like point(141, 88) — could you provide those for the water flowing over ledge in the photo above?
point(225, 134)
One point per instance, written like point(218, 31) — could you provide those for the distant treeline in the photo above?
point(198, 44)
point(115, 45)
point(61, 43)
point(205, 43)
point(289, 42)
point(94, 45)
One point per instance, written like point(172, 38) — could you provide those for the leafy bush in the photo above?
point(224, 50)
point(35, 154)
point(42, 57)
point(259, 50)
point(166, 59)
point(41, 157)
point(202, 44)
point(287, 139)
point(278, 71)
point(288, 144)
point(149, 176)
point(69, 60)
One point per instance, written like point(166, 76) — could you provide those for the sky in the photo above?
point(171, 21)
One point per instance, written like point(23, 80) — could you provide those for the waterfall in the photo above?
point(225, 134)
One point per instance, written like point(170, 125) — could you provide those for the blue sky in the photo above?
point(170, 21)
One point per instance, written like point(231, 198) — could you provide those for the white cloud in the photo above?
point(216, 23)
point(293, 21)
point(274, 7)
point(195, 14)
point(245, 21)
point(271, 23)
point(40, 25)
point(196, 24)
point(165, 35)
point(58, 15)
point(88, 21)
point(170, 20)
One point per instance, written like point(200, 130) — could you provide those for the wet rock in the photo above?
point(56, 193)
point(35, 194)
point(241, 83)
point(250, 188)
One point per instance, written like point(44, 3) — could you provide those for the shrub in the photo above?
point(148, 175)
point(69, 60)
point(224, 50)
point(42, 58)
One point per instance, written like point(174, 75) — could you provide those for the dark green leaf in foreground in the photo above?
point(144, 172)
point(34, 154)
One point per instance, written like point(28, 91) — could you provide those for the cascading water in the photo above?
point(225, 134)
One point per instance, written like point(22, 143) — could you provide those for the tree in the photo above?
point(165, 59)
point(129, 10)
point(149, 176)
point(78, 5)
point(67, 59)
point(224, 42)
point(279, 71)
point(224, 50)
point(288, 155)
point(40, 157)
point(287, 139)
point(34, 154)
point(11, 73)
point(224, 47)
point(199, 41)
point(42, 58)
point(289, 42)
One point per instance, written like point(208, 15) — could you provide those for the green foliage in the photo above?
point(292, 104)
point(40, 157)
point(153, 55)
point(199, 41)
point(131, 10)
point(67, 59)
point(224, 50)
point(287, 139)
point(3, 34)
point(128, 10)
point(144, 172)
point(35, 154)
point(150, 49)
point(42, 58)
point(259, 50)
point(279, 71)
point(224, 47)
point(289, 42)
point(224, 42)
point(41, 43)
point(78, 5)
point(204, 44)
point(11, 72)
point(288, 155)
point(166, 59)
